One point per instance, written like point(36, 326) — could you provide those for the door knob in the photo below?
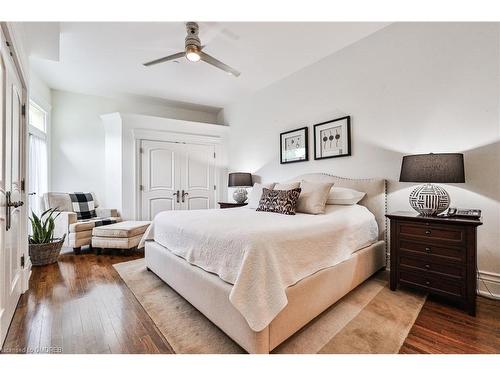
point(8, 205)
point(15, 204)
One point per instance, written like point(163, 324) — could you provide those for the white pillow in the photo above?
point(344, 196)
point(256, 193)
point(313, 197)
point(287, 186)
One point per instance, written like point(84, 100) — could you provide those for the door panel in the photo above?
point(11, 243)
point(162, 169)
point(160, 180)
point(157, 205)
point(198, 177)
point(197, 203)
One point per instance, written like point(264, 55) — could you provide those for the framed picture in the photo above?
point(332, 139)
point(294, 146)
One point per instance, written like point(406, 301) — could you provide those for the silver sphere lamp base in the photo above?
point(240, 195)
point(429, 200)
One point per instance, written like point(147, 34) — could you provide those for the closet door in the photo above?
point(161, 177)
point(198, 177)
point(12, 211)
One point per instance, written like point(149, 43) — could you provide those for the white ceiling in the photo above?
point(106, 58)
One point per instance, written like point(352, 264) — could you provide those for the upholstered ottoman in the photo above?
point(125, 235)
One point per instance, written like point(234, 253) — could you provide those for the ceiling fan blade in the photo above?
point(218, 64)
point(166, 58)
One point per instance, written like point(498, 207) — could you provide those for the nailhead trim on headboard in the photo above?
point(387, 254)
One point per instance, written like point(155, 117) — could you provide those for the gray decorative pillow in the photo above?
point(279, 201)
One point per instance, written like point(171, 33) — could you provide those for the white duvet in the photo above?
point(263, 253)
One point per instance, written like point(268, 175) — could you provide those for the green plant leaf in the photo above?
point(36, 226)
point(46, 212)
point(43, 227)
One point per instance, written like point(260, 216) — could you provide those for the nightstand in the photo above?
point(231, 204)
point(436, 255)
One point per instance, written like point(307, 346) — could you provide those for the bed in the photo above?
point(260, 276)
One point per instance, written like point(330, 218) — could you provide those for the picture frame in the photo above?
point(294, 146)
point(332, 139)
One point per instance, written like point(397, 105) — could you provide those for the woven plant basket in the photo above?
point(45, 253)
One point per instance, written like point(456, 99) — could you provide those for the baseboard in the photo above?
point(488, 284)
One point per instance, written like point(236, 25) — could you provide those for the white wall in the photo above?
point(77, 150)
point(410, 88)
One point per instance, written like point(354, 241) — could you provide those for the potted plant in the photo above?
point(43, 247)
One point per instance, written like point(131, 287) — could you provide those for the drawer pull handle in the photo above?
point(427, 232)
point(427, 283)
point(428, 249)
point(427, 266)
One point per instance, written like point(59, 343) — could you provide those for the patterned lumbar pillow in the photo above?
point(279, 201)
point(83, 205)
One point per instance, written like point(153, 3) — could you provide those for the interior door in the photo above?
point(176, 176)
point(198, 177)
point(161, 177)
point(11, 241)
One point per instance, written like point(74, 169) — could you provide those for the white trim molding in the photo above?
point(488, 281)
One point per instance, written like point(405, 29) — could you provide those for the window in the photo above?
point(37, 117)
point(38, 159)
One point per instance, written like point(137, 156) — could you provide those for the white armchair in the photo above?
point(78, 232)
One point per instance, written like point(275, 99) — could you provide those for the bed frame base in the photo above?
point(306, 299)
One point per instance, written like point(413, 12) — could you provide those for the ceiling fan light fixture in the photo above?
point(192, 53)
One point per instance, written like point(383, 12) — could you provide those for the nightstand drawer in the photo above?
point(454, 254)
point(433, 284)
point(425, 264)
point(444, 233)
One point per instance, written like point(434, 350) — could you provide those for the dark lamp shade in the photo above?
point(428, 168)
point(240, 179)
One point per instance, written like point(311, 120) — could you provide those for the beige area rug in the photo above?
point(370, 319)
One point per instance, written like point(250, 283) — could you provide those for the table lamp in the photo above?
point(429, 199)
point(242, 181)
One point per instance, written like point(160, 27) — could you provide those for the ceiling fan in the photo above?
point(193, 52)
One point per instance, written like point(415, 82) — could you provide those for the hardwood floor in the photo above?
point(442, 329)
point(81, 305)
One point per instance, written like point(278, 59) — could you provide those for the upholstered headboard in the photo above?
point(375, 199)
